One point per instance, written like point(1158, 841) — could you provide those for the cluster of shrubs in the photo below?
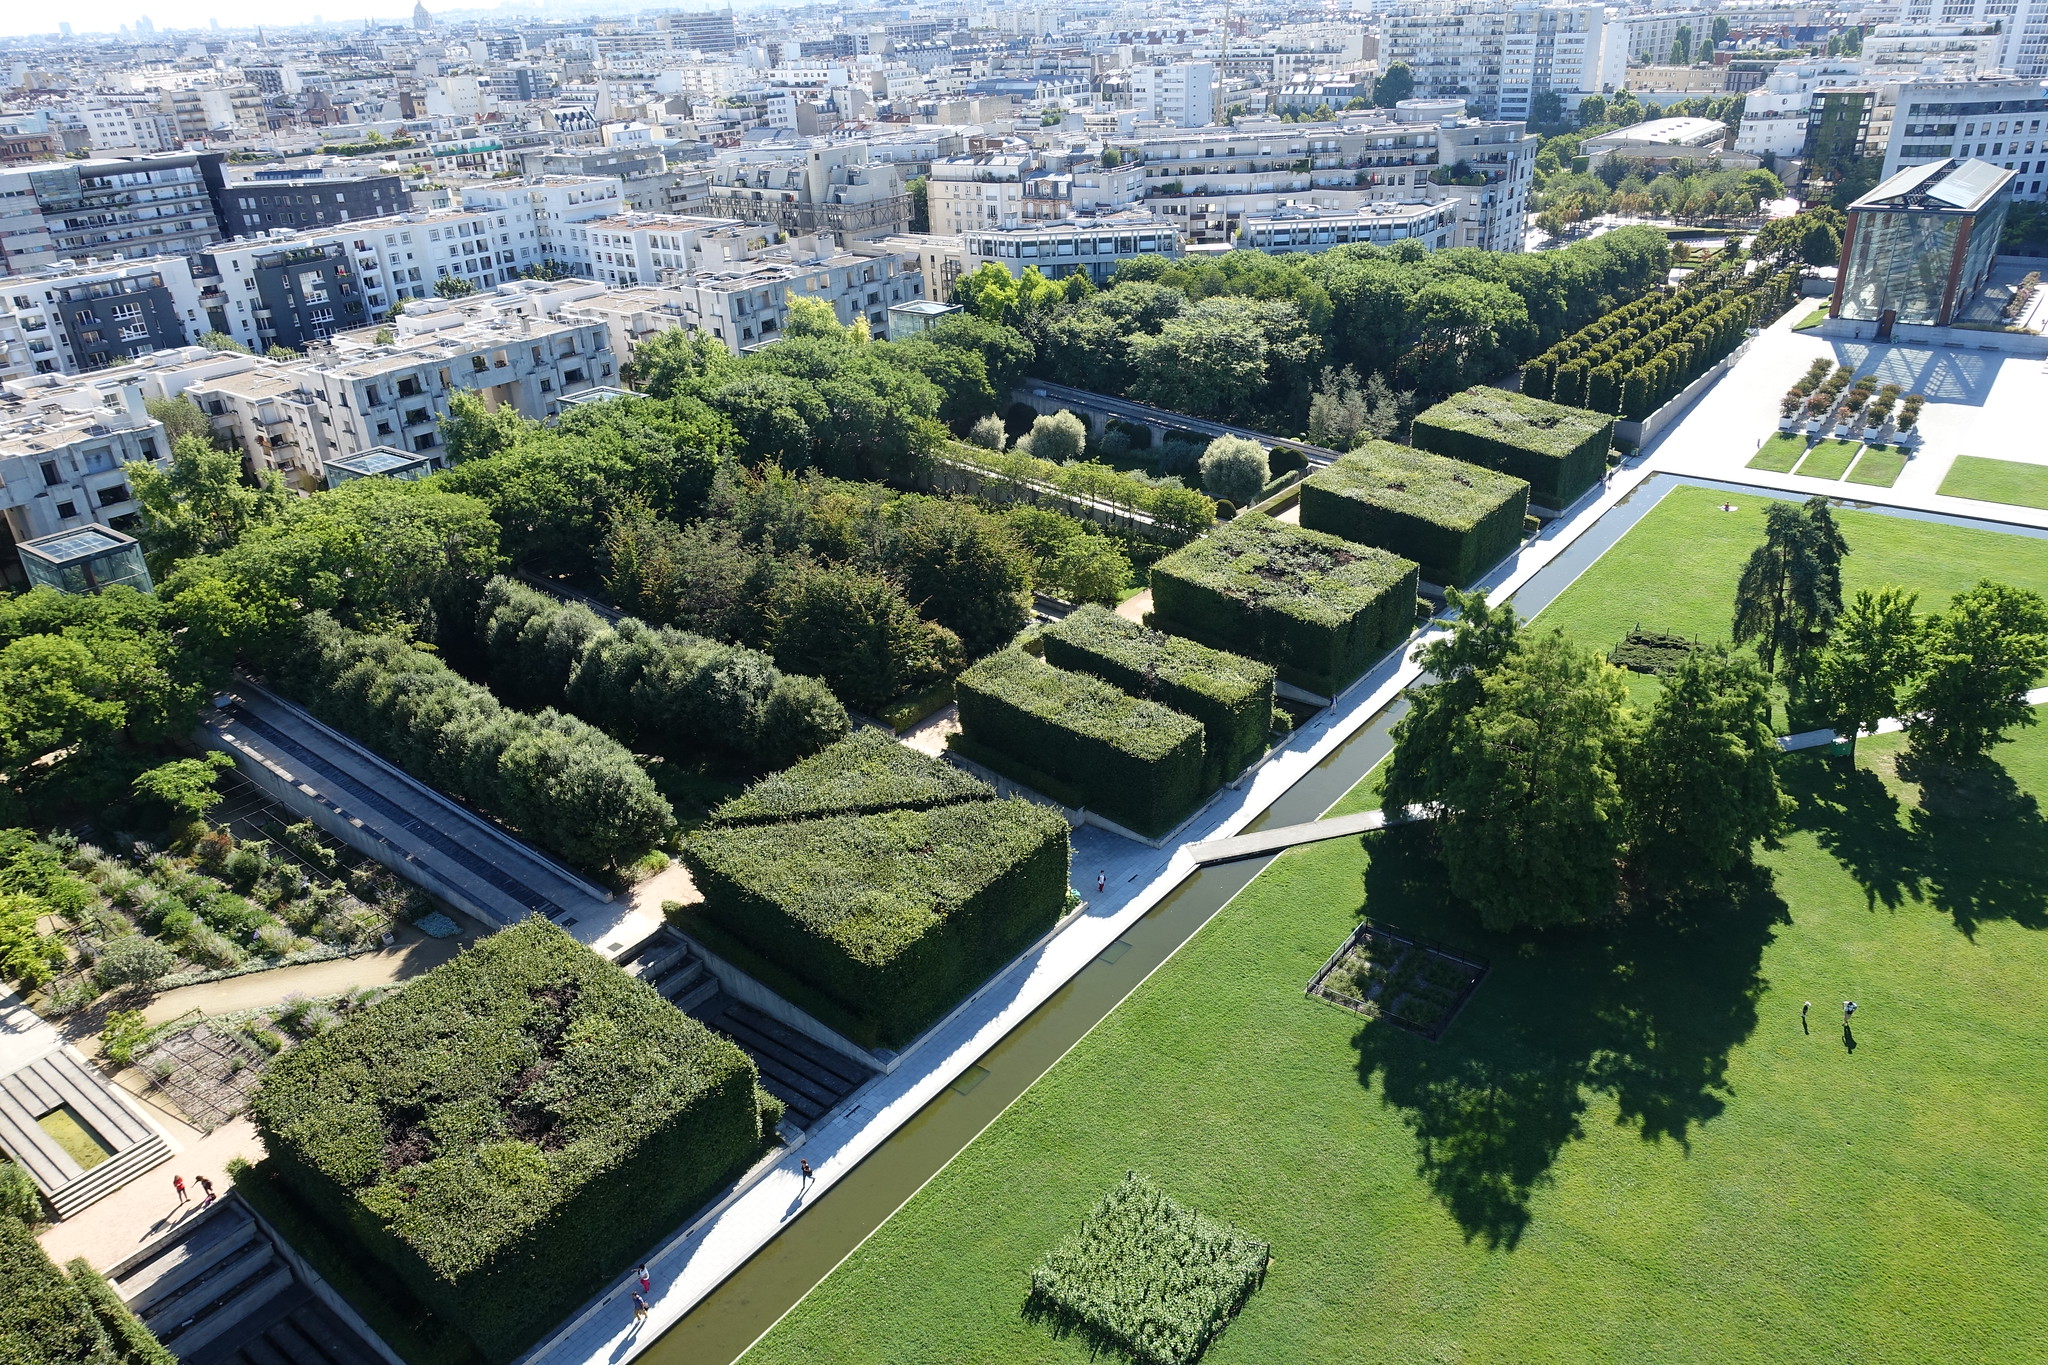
point(657, 688)
point(1558, 451)
point(1022, 475)
point(511, 1130)
point(875, 886)
point(51, 1317)
point(1147, 1277)
point(558, 780)
point(1636, 358)
point(1320, 609)
point(2022, 295)
point(228, 904)
point(1455, 520)
point(1866, 403)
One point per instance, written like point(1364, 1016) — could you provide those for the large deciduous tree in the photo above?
point(1873, 655)
point(1978, 659)
point(1790, 591)
point(1700, 784)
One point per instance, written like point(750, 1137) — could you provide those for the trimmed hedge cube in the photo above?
point(867, 771)
point(1455, 519)
point(893, 917)
point(1561, 451)
point(1131, 760)
point(512, 1129)
point(1231, 695)
point(1319, 608)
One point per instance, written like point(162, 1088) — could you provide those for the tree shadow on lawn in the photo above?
point(1973, 845)
point(1644, 1010)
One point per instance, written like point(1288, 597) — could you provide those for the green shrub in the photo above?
point(863, 773)
point(45, 1319)
point(562, 782)
point(1149, 1276)
point(1137, 762)
point(895, 916)
point(19, 1197)
point(1456, 520)
point(1652, 651)
point(1231, 696)
point(665, 690)
point(1319, 608)
point(133, 960)
point(133, 1344)
point(1561, 451)
point(511, 1129)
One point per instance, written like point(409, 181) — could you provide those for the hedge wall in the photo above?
point(45, 1319)
point(1560, 451)
point(1456, 520)
point(1134, 761)
point(662, 689)
point(895, 916)
point(867, 771)
point(1319, 608)
point(512, 1129)
point(132, 1343)
point(560, 782)
point(1231, 695)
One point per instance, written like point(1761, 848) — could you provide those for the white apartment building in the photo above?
point(746, 304)
point(2022, 28)
point(1207, 180)
point(132, 124)
point(1900, 52)
point(1309, 228)
point(1571, 51)
point(1093, 246)
point(550, 213)
point(1774, 115)
point(63, 443)
point(2002, 121)
point(1004, 189)
point(1650, 33)
point(1182, 95)
point(826, 187)
point(644, 248)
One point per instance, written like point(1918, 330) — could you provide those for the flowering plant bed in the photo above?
point(1408, 981)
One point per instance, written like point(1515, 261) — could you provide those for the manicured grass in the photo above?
point(1624, 1150)
point(1878, 468)
point(1972, 476)
point(1811, 320)
point(1830, 459)
point(1779, 452)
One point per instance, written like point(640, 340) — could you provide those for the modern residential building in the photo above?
point(2022, 27)
point(1094, 246)
point(645, 248)
point(746, 304)
point(1309, 228)
point(1567, 51)
point(254, 207)
point(1658, 141)
point(119, 208)
point(1776, 113)
point(1004, 189)
point(1181, 95)
point(63, 445)
point(1920, 245)
point(71, 319)
point(1999, 120)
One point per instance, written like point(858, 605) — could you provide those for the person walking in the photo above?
point(1802, 1011)
point(206, 1185)
point(639, 1310)
point(806, 1168)
point(646, 1283)
point(178, 1183)
point(1101, 881)
point(1848, 1008)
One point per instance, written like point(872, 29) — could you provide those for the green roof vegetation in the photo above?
point(1455, 519)
point(1560, 450)
point(865, 772)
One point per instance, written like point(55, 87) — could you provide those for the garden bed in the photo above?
point(1409, 982)
point(206, 1069)
point(1780, 453)
point(1879, 468)
point(1829, 459)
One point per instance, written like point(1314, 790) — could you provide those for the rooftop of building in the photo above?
point(1951, 186)
point(1683, 131)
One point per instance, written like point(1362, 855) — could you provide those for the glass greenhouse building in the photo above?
point(1920, 245)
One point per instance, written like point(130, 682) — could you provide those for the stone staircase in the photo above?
point(806, 1075)
point(216, 1292)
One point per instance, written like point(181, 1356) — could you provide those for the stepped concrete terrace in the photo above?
point(322, 775)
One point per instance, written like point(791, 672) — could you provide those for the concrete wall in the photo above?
point(748, 991)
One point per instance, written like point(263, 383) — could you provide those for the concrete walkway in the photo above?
point(1814, 739)
point(145, 1208)
point(413, 954)
point(1264, 841)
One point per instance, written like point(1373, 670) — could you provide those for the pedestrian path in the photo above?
point(1265, 841)
point(1814, 739)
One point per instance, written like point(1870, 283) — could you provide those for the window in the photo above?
point(51, 477)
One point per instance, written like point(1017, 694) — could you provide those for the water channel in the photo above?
point(721, 1328)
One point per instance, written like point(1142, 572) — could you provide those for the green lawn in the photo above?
point(1878, 468)
point(1972, 476)
point(1811, 320)
point(1830, 459)
point(1625, 1149)
point(1779, 452)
